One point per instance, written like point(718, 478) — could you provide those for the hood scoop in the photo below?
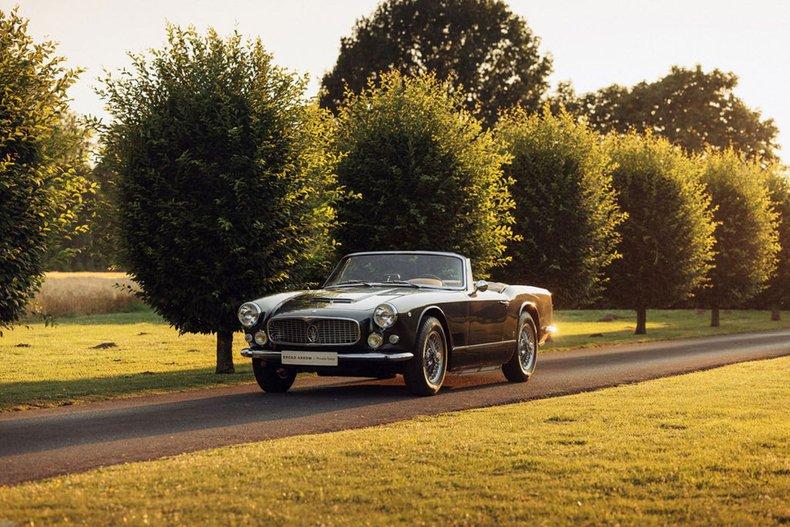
point(333, 300)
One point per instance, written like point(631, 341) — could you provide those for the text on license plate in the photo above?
point(309, 358)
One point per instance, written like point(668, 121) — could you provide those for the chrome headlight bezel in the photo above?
point(385, 315)
point(249, 313)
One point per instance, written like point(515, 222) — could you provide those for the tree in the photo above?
point(225, 186)
point(746, 241)
point(667, 238)
point(777, 294)
point(487, 52)
point(692, 108)
point(424, 173)
point(75, 249)
point(39, 180)
point(566, 208)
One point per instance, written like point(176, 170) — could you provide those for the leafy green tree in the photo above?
point(692, 108)
point(667, 238)
point(66, 249)
point(423, 172)
point(487, 52)
point(746, 240)
point(225, 185)
point(566, 208)
point(40, 183)
point(777, 294)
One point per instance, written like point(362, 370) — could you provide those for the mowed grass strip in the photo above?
point(594, 327)
point(99, 357)
point(119, 355)
point(708, 448)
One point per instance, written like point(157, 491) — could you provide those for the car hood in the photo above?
point(345, 298)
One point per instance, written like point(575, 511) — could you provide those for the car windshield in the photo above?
point(399, 269)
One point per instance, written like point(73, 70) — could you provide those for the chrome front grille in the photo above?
point(314, 331)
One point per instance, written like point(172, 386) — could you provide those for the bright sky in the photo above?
point(593, 42)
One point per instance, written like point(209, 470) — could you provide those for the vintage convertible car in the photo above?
point(414, 313)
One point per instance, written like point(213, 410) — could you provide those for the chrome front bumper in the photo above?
point(365, 357)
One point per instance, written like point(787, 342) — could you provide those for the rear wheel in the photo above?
point(522, 364)
point(273, 378)
point(425, 373)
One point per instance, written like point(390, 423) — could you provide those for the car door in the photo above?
point(487, 314)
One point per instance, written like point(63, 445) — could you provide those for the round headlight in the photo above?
point(248, 314)
point(385, 315)
point(375, 340)
point(261, 338)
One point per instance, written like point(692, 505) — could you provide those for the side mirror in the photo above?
point(481, 285)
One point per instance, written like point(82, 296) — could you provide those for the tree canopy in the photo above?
point(692, 108)
point(745, 235)
point(40, 179)
point(667, 238)
point(225, 185)
point(777, 294)
point(566, 208)
point(422, 172)
point(489, 54)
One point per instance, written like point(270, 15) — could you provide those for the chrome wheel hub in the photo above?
point(433, 354)
point(526, 349)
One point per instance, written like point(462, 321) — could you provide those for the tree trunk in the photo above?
point(714, 317)
point(225, 352)
point(776, 315)
point(641, 321)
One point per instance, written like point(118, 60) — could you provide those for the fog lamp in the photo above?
point(248, 337)
point(261, 338)
point(375, 340)
point(394, 339)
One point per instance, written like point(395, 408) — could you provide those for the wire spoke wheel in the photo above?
point(526, 349)
point(434, 356)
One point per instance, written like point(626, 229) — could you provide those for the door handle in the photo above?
point(505, 302)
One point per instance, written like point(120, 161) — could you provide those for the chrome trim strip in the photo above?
point(372, 356)
point(306, 318)
point(487, 344)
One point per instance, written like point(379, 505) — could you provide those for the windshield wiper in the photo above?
point(399, 283)
point(351, 283)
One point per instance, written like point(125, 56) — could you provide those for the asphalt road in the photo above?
point(42, 443)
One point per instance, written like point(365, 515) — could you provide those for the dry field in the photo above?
point(71, 294)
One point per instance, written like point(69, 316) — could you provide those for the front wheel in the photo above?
point(425, 373)
point(522, 364)
point(273, 378)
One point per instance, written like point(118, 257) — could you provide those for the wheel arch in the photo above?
point(436, 311)
point(532, 309)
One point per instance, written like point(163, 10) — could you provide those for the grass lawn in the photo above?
point(587, 328)
point(137, 353)
point(51, 366)
point(709, 448)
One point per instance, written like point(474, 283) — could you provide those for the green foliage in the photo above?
point(692, 108)
point(566, 209)
point(78, 248)
point(225, 186)
point(424, 173)
point(667, 238)
point(777, 293)
point(746, 240)
point(40, 173)
point(488, 53)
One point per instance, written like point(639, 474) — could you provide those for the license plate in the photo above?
point(309, 358)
